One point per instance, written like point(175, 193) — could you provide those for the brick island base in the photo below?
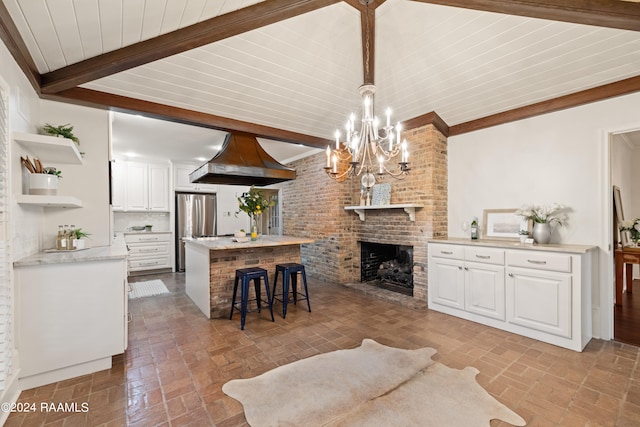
point(211, 264)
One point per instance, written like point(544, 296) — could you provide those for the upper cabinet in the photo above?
point(181, 180)
point(139, 187)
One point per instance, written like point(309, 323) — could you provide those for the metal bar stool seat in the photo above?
point(243, 277)
point(290, 273)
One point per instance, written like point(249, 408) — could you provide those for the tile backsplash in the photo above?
point(123, 221)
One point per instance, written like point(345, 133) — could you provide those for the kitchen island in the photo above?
point(211, 263)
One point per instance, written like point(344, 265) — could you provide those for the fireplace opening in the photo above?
point(387, 266)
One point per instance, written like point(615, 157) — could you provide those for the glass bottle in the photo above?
point(474, 230)
point(70, 236)
point(61, 240)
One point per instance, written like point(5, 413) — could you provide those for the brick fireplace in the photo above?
point(313, 207)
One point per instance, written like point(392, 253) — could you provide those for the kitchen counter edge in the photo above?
point(507, 244)
point(225, 243)
point(117, 250)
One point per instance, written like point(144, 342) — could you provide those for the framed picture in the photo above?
point(502, 224)
point(381, 194)
point(618, 217)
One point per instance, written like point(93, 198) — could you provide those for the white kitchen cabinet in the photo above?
point(140, 187)
point(148, 252)
point(71, 316)
point(477, 287)
point(542, 292)
point(181, 180)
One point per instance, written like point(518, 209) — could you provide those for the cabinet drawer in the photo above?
point(147, 237)
point(539, 260)
point(148, 250)
point(447, 251)
point(148, 263)
point(486, 255)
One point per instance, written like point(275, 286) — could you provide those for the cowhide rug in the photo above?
point(372, 385)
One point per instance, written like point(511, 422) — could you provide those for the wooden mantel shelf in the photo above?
point(410, 209)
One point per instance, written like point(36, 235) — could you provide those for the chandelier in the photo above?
point(372, 151)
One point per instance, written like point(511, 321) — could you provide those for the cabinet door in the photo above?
point(137, 194)
point(446, 285)
point(484, 290)
point(117, 185)
point(539, 300)
point(159, 188)
point(181, 177)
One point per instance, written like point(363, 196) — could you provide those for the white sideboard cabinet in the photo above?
point(542, 292)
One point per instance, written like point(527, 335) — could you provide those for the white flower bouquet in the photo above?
point(552, 214)
point(632, 226)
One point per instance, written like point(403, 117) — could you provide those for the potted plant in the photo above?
point(63, 131)
point(77, 238)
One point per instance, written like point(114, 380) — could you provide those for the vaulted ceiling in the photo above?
point(289, 70)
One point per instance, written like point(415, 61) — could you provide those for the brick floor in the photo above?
point(177, 362)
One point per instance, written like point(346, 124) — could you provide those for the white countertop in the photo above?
point(116, 251)
point(509, 244)
point(223, 243)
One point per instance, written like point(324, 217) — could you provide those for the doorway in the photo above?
point(272, 220)
point(625, 153)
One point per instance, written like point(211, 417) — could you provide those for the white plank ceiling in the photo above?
point(302, 74)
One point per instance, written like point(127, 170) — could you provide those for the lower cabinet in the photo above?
point(71, 318)
point(148, 251)
point(541, 294)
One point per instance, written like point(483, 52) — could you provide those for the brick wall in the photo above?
point(313, 207)
point(222, 270)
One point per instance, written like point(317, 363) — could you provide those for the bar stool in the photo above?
point(244, 275)
point(290, 273)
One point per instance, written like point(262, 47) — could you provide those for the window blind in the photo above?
point(5, 244)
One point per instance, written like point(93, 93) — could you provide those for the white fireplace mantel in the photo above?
point(410, 209)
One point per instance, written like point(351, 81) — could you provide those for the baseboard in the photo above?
point(62, 374)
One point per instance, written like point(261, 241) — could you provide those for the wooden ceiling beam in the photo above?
point(587, 96)
point(196, 35)
point(107, 101)
point(624, 15)
point(10, 35)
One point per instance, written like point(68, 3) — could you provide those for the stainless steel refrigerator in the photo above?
point(195, 217)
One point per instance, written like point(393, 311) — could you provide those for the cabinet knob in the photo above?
point(510, 274)
point(466, 268)
point(459, 267)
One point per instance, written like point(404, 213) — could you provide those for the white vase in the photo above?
point(541, 233)
point(43, 184)
point(78, 243)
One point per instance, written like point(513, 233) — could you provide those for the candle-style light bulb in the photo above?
point(337, 140)
point(380, 161)
point(328, 156)
point(404, 151)
point(335, 164)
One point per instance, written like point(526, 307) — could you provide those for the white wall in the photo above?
point(558, 157)
point(88, 182)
